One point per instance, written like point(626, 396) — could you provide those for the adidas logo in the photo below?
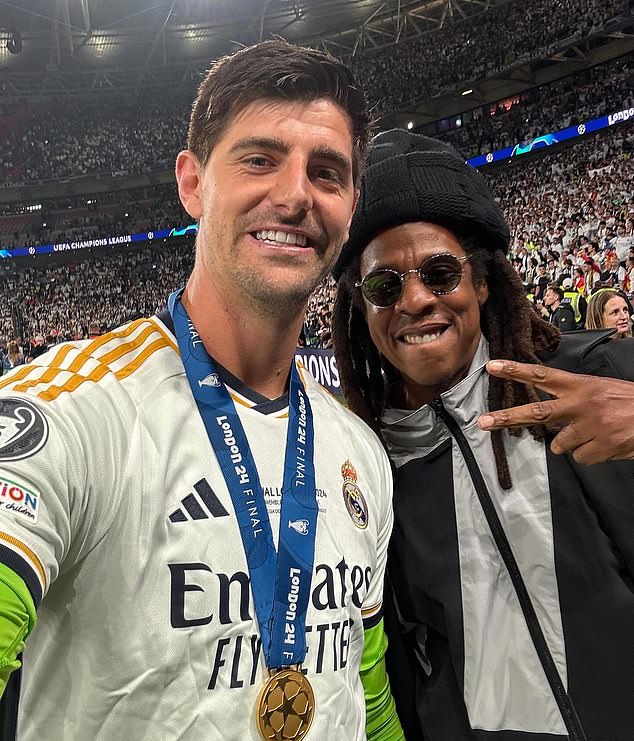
point(199, 507)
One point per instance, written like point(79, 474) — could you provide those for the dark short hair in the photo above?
point(556, 289)
point(275, 70)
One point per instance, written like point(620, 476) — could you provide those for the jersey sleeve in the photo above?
point(372, 609)
point(17, 619)
point(382, 722)
point(57, 477)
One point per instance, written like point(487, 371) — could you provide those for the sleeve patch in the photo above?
point(23, 429)
point(18, 500)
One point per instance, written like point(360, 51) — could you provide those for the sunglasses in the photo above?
point(440, 274)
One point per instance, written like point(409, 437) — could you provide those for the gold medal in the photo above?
point(286, 706)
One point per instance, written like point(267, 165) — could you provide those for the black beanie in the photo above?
point(410, 177)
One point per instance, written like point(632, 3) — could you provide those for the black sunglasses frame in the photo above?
point(422, 272)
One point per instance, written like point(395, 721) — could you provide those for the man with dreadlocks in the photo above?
point(511, 567)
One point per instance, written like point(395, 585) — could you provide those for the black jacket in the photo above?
point(463, 664)
point(563, 318)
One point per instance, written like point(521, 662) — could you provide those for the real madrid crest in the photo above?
point(352, 496)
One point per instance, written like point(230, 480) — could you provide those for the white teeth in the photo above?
point(417, 339)
point(271, 235)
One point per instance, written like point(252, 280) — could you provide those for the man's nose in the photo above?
point(292, 189)
point(415, 296)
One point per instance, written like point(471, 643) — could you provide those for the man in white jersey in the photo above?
point(197, 528)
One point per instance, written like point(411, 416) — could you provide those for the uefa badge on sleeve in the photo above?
point(23, 429)
point(352, 496)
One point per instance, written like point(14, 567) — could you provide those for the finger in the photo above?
point(591, 453)
point(550, 411)
point(571, 439)
point(551, 380)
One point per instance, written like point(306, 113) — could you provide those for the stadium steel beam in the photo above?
point(410, 23)
point(450, 6)
point(67, 26)
point(87, 32)
point(157, 38)
point(85, 13)
point(262, 19)
point(55, 56)
point(399, 22)
point(388, 22)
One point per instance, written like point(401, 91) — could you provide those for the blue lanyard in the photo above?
point(280, 581)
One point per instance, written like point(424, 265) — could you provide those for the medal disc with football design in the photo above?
point(286, 706)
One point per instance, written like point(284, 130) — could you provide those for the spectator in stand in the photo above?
point(609, 309)
point(559, 313)
point(613, 273)
point(623, 243)
point(542, 280)
point(94, 330)
point(576, 301)
point(38, 347)
point(591, 276)
point(578, 280)
point(13, 358)
point(628, 279)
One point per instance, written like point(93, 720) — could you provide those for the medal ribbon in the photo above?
point(280, 581)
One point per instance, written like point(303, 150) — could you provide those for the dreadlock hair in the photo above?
point(508, 321)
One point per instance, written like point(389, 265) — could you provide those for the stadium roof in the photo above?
point(52, 43)
point(58, 47)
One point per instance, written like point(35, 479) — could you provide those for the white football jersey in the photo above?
point(114, 511)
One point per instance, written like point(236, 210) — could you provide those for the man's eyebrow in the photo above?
point(271, 143)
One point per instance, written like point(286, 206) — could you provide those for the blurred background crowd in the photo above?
point(570, 208)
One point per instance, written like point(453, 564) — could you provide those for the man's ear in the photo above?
point(482, 293)
point(354, 206)
point(188, 178)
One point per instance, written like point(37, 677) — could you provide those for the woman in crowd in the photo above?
point(608, 308)
point(13, 357)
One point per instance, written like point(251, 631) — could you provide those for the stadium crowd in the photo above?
point(58, 220)
point(478, 47)
point(571, 211)
point(130, 136)
point(589, 94)
point(596, 92)
point(52, 142)
point(571, 214)
point(63, 301)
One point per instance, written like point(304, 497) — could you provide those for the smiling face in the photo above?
point(274, 202)
point(430, 339)
point(616, 314)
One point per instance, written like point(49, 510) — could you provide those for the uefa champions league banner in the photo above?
point(556, 137)
point(322, 366)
